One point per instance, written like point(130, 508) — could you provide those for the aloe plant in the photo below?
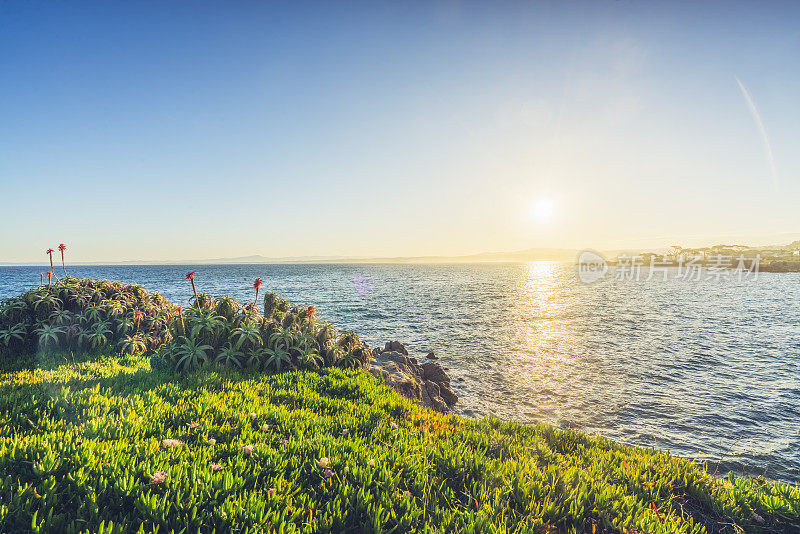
point(13, 332)
point(62, 247)
point(277, 358)
point(191, 354)
point(97, 336)
point(229, 356)
point(133, 344)
point(248, 334)
point(282, 338)
point(309, 359)
point(48, 335)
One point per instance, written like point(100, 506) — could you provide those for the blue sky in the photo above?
point(188, 130)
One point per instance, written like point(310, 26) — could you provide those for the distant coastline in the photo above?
point(777, 258)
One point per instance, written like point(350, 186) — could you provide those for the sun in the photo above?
point(544, 210)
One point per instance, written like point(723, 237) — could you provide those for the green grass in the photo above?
point(80, 441)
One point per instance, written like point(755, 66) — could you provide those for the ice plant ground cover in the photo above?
point(105, 442)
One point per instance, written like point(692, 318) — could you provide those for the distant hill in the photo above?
point(552, 254)
point(527, 255)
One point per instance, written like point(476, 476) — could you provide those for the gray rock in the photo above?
point(396, 346)
point(448, 394)
point(433, 371)
point(427, 384)
point(436, 400)
point(432, 356)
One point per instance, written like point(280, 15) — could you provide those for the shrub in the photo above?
point(79, 314)
point(285, 337)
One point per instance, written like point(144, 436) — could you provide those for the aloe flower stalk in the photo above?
point(49, 252)
point(190, 277)
point(179, 313)
point(62, 247)
point(41, 279)
point(256, 285)
point(49, 278)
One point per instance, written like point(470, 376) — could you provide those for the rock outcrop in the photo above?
point(427, 384)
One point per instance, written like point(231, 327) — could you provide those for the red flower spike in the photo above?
point(49, 252)
point(190, 277)
point(256, 285)
point(62, 247)
point(310, 312)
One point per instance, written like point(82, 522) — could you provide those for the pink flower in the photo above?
point(167, 443)
point(216, 467)
point(284, 441)
point(328, 473)
point(271, 492)
point(264, 427)
point(345, 431)
point(322, 462)
point(158, 477)
point(194, 424)
point(406, 494)
point(394, 425)
point(253, 416)
point(248, 449)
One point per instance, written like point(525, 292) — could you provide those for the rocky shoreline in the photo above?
point(426, 383)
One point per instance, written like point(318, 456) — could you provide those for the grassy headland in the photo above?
point(83, 446)
point(213, 439)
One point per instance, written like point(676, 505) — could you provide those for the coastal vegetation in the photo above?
point(105, 443)
point(85, 314)
point(122, 412)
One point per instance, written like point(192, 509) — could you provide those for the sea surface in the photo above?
point(706, 369)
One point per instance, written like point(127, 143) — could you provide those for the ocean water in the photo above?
point(708, 370)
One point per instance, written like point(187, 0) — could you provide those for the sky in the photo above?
point(177, 130)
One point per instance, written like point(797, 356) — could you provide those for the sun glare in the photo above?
point(544, 209)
